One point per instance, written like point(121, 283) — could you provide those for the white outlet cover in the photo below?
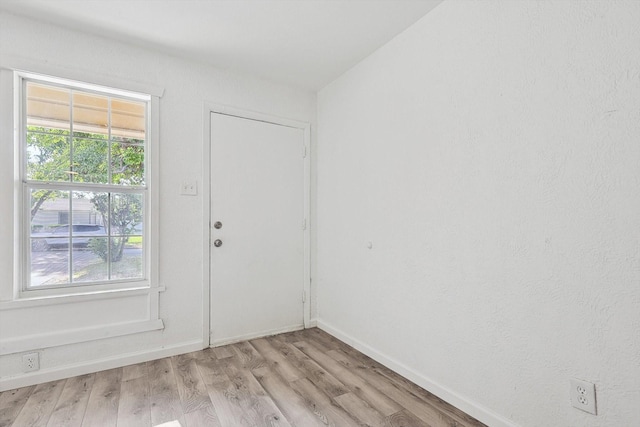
point(583, 395)
point(30, 362)
point(189, 188)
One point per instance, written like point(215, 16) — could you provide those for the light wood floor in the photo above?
point(305, 379)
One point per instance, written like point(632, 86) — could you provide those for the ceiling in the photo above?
point(303, 43)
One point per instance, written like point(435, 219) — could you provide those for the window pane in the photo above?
point(48, 107)
point(90, 159)
point(89, 216)
point(127, 119)
point(91, 264)
point(48, 209)
point(126, 213)
point(48, 155)
point(127, 164)
point(91, 208)
point(50, 267)
point(38, 244)
point(90, 113)
point(130, 265)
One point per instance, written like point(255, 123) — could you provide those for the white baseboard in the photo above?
point(254, 335)
point(313, 323)
point(472, 408)
point(61, 372)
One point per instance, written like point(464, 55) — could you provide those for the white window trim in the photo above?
point(11, 70)
point(21, 289)
point(78, 297)
point(78, 335)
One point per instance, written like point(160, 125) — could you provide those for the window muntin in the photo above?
point(84, 180)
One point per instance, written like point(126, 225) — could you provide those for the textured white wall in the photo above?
point(491, 154)
point(187, 86)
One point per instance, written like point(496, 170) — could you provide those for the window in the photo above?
point(85, 186)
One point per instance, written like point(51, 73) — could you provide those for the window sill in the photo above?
point(38, 301)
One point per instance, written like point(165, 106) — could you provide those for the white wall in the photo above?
point(491, 154)
point(188, 85)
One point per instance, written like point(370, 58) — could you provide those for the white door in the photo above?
point(257, 199)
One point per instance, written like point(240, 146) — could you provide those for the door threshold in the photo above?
point(251, 336)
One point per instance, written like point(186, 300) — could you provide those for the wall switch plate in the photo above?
point(189, 188)
point(583, 395)
point(30, 362)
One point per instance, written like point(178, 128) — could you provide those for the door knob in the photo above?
point(217, 225)
point(217, 243)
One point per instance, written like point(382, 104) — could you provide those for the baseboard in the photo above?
point(312, 323)
point(62, 372)
point(254, 335)
point(472, 408)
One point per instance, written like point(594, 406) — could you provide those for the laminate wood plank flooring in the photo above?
point(202, 417)
point(15, 399)
point(248, 399)
point(224, 403)
point(72, 403)
point(133, 408)
point(423, 410)
point(191, 388)
point(354, 383)
point(12, 402)
point(102, 408)
point(164, 399)
point(322, 405)
point(276, 360)
point(38, 408)
point(299, 379)
point(310, 369)
point(290, 402)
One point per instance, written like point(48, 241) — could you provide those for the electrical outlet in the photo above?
point(189, 188)
point(583, 395)
point(30, 362)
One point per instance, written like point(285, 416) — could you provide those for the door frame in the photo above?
point(210, 108)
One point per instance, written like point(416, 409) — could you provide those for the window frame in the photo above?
point(22, 227)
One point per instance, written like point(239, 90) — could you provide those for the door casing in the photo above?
point(208, 221)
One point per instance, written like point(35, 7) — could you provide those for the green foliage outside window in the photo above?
point(54, 156)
